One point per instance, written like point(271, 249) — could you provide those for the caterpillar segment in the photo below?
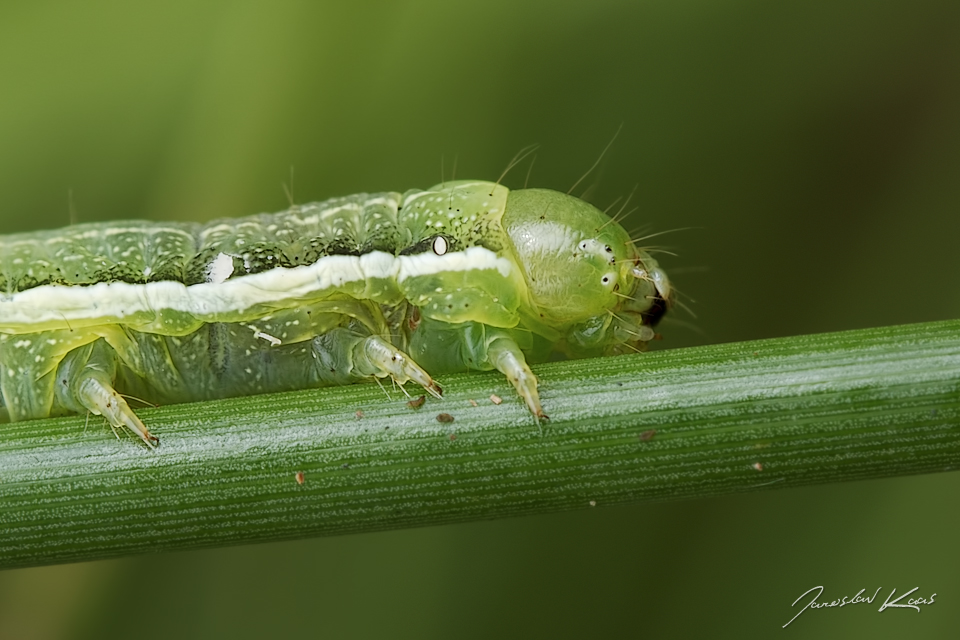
point(467, 275)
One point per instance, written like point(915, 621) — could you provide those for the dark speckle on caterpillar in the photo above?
point(467, 275)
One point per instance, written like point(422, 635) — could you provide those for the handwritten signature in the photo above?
point(912, 603)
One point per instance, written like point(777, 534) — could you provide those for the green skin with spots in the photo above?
point(466, 275)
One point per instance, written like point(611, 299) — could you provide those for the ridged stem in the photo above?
point(661, 425)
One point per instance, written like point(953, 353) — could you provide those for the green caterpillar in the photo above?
point(467, 275)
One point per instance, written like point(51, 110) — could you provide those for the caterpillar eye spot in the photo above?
point(440, 245)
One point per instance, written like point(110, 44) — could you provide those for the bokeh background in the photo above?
point(810, 149)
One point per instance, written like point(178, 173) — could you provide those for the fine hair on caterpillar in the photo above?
point(467, 275)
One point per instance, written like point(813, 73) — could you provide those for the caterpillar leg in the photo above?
point(84, 382)
point(507, 358)
point(344, 355)
point(464, 346)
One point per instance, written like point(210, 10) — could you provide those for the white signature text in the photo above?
point(892, 602)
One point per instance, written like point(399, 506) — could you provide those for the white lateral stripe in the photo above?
point(61, 303)
point(424, 264)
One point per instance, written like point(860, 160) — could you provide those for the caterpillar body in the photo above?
point(467, 275)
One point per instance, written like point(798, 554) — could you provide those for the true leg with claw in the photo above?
point(506, 357)
point(85, 383)
point(446, 347)
point(344, 355)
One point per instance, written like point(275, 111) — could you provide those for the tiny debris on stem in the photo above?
point(359, 414)
point(473, 403)
point(495, 399)
point(758, 466)
point(417, 403)
point(445, 417)
point(648, 435)
point(299, 477)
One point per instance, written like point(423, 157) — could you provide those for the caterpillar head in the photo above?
point(585, 277)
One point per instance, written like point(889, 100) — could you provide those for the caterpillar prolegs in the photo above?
point(467, 275)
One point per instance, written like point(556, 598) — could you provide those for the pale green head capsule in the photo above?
point(585, 277)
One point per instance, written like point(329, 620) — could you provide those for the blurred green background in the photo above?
point(812, 147)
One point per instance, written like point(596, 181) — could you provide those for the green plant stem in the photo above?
point(662, 425)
